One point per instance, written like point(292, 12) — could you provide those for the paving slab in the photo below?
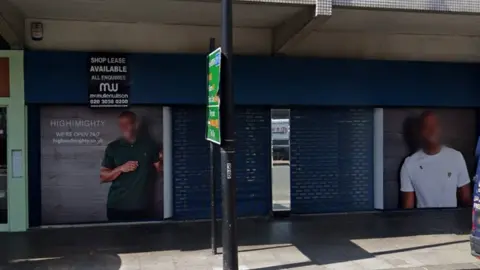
point(402, 240)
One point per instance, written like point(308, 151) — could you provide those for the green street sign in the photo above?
point(213, 105)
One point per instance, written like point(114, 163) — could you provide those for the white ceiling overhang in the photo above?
point(382, 34)
point(292, 27)
point(12, 24)
point(170, 12)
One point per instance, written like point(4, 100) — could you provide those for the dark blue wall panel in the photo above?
point(168, 79)
point(331, 160)
point(61, 77)
point(34, 181)
point(56, 78)
point(191, 163)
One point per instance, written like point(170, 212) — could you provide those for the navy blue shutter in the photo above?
point(331, 160)
point(191, 163)
point(253, 161)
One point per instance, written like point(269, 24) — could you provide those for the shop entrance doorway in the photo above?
point(280, 161)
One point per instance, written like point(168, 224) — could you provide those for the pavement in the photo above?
point(391, 240)
point(281, 186)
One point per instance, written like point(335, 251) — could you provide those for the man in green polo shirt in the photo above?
point(130, 163)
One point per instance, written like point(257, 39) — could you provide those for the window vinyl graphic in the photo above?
point(79, 143)
point(428, 163)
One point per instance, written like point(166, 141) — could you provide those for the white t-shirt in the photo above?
point(434, 178)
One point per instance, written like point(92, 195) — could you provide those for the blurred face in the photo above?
point(431, 131)
point(127, 126)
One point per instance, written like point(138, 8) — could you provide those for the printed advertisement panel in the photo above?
point(109, 81)
point(429, 157)
point(101, 165)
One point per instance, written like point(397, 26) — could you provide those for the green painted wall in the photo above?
point(16, 140)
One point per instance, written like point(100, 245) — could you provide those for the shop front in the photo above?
point(76, 135)
point(13, 154)
point(347, 132)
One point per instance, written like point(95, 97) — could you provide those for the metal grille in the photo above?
point(323, 7)
point(253, 159)
point(190, 163)
point(331, 160)
point(289, 2)
point(461, 6)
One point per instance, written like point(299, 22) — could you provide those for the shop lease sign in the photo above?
point(109, 81)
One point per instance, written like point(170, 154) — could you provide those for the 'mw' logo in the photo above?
point(108, 87)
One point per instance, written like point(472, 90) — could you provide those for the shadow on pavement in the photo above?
point(89, 261)
point(322, 239)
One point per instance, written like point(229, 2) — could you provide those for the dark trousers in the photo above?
point(116, 215)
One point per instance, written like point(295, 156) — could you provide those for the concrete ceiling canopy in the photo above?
point(352, 29)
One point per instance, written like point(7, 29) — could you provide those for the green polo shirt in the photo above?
point(133, 190)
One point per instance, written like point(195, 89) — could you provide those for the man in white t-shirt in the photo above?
point(435, 176)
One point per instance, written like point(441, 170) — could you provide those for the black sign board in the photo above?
point(109, 81)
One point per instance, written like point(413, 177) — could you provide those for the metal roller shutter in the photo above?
point(253, 161)
point(191, 186)
point(191, 163)
point(331, 160)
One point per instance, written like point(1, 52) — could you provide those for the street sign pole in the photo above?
point(213, 131)
point(213, 179)
point(227, 152)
